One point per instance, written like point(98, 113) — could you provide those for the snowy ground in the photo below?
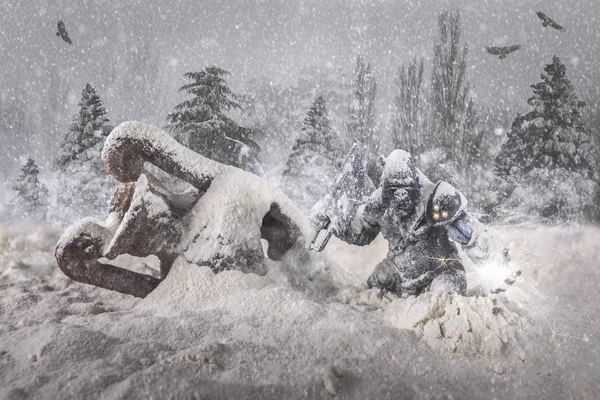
point(200, 335)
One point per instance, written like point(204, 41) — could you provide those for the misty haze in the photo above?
point(299, 199)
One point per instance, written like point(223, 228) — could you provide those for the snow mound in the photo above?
point(236, 335)
point(489, 326)
point(189, 287)
point(365, 300)
point(24, 253)
point(486, 326)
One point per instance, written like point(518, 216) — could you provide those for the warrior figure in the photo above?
point(421, 222)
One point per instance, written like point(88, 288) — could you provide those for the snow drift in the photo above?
point(201, 334)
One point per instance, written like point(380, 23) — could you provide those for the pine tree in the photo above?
point(202, 124)
point(549, 151)
point(314, 159)
point(333, 83)
point(31, 196)
point(84, 187)
point(317, 123)
point(89, 128)
point(553, 134)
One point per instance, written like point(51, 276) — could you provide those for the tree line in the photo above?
point(547, 165)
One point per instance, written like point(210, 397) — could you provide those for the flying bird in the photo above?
point(62, 32)
point(502, 51)
point(546, 20)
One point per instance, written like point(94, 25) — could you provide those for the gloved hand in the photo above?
point(319, 219)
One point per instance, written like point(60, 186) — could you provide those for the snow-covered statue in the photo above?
point(422, 223)
point(218, 221)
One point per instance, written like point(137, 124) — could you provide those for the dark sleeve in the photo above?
point(365, 225)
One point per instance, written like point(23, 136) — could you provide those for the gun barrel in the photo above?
point(321, 246)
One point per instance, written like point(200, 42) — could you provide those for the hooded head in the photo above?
point(445, 204)
point(400, 183)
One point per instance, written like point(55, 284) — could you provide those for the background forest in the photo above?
point(533, 158)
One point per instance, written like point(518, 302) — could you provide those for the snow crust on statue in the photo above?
point(218, 222)
point(421, 222)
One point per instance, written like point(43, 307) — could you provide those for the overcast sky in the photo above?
point(275, 38)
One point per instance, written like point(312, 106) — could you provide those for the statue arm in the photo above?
point(365, 225)
point(476, 241)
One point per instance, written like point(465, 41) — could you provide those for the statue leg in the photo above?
point(452, 279)
point(77, 255)
point(385, 276)
point(131, 228)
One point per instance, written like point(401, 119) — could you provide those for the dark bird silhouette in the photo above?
point(62, 32)
point(502, 51)
point(547, 21)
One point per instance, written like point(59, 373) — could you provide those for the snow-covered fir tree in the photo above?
point(334, 84)
point(553, 134)
point(202, 124)
point(31, 198)
point(548, 163)
point(84, 187)
point(88, 129)
point(317, 125)
point(314, 159)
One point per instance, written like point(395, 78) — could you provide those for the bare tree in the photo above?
point(451, 106)
point(141, 91)
point(107, 74)
point(453, 116)
point(361, 125)
point(467, 147)
point(16, 126)
point(407, 124)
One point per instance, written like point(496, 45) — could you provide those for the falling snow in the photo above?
point(277, 336)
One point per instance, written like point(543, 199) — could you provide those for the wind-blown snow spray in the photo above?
point(504, 276)
point(495, 275)
point(501, 274)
